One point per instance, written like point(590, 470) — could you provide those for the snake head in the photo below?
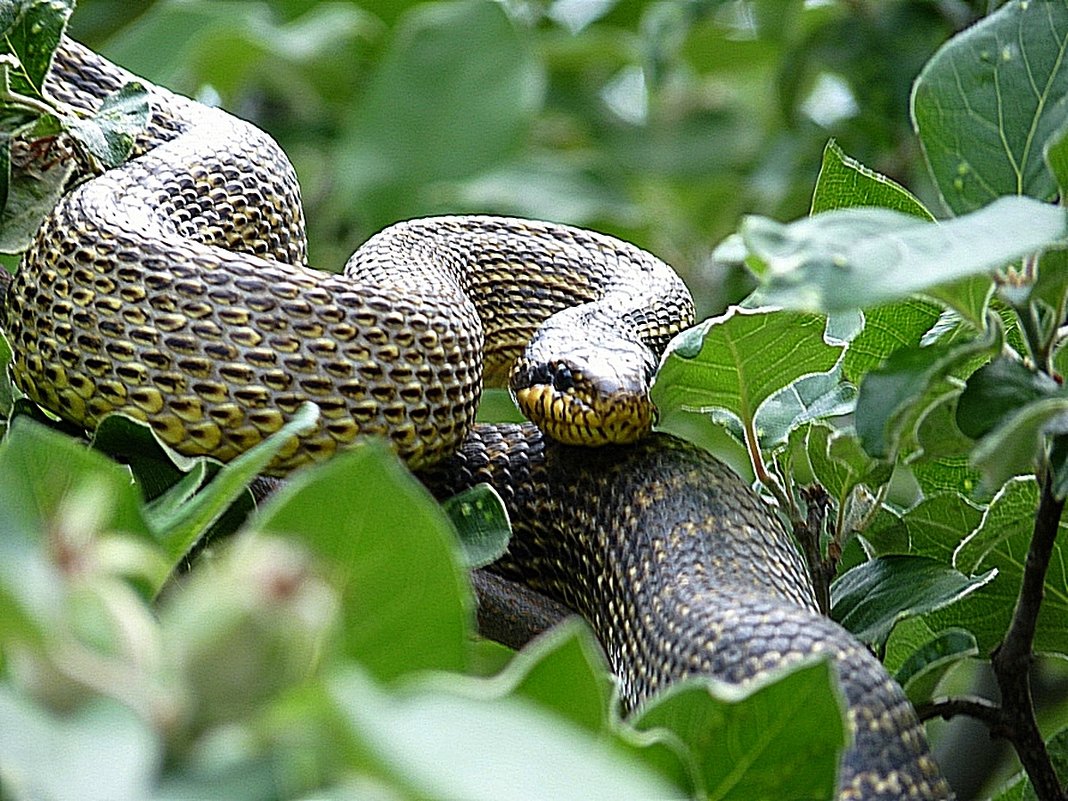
point(586, 391)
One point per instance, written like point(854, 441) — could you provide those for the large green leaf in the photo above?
point(447, 739)
point(988, 101)
point(1020, 787)
point(102, 752)
point(736, 362)
point(779, 737)
point(854, 258)
point(1001, 541)
point(873, 597)
point(390, 553)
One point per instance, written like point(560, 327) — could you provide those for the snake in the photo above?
point(176, 289)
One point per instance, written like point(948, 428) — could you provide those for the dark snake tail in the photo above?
point(680, 569)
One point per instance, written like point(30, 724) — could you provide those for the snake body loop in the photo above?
point(175, 289)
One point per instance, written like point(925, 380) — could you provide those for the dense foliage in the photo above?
point(893, 384)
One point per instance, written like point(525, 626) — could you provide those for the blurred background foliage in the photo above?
point(660, 122)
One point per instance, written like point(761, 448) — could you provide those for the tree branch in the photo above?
point(1012, 659)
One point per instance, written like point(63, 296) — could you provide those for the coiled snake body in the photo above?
point(175, 289)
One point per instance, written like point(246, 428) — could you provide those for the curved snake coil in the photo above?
point(175, 289)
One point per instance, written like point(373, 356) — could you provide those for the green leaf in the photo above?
point(155, 466)
point(1055, 154)
point(390, 553)
point(7, 389)
point(31, 30)
point(428, 115)
point(482, 524)
point(1001, 542)
point(40, 467)
point(834, 459)
point(1020, 787)
point(811, 397)
point(779, 736)
point(32, 193)
point(872, 597)
point(108, 135)
point(894, 399)
point(843, 182)
point(179, 527)
point(921, 673)
point(449, 741)
point(737, 361)
point(998, 390)
point(101, 752)
point(939, 523)
point(1015, 447)
point(565, 671)
point(854, 258)
point(887, 328)
point(246, 627)
point(987, 102)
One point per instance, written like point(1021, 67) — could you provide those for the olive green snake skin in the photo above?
point(175, 289)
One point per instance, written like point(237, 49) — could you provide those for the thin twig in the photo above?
point(971, 705)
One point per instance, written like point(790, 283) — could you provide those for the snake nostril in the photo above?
point(562, 378)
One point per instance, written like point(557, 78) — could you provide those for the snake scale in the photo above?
point(175, 288)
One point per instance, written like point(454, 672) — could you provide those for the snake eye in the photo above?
point(562, 379)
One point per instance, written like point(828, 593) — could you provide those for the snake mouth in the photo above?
point(558, 399)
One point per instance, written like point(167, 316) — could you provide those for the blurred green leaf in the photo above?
point(874, 596)
point(748, 742)
point(858, 257)
point(102, 752)
point(565, 670)
point(989, 100)
point(395, 564)
point(452, 743)
point(1020, 787)
point(428, 115)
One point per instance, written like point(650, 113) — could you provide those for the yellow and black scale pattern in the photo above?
point(175, 289)
point(680, 569)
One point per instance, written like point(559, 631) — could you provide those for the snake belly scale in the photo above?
point(175, 289)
